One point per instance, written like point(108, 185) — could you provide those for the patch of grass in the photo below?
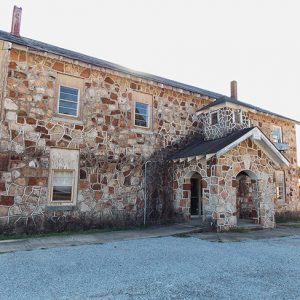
point(69, 232)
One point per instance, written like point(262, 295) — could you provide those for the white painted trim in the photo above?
point(281, 136)
point(208, 156)
point(239, 111)
point(148, 115)
point(210, 117)
point(261, 139)
point(78, 100)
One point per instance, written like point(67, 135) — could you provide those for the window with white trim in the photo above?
point(277, 134)
point(214, 118)
point(68, 101)
point(279, 179)
point(63, 177)
point(68, 93)
point(141, 114)
point(142, 110)
point(63, 185)
point(238, 116)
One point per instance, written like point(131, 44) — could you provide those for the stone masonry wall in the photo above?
point(264, 123)
point(226, 123)
point(219, 185)
point(112, 150)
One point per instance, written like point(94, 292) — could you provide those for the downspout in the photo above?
point(145, 189)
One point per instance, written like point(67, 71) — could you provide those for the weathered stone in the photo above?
point(10, 105)
point(6, 200)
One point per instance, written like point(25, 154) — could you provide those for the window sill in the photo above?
point(142, 130)
point(60, 207)
point(67, 120)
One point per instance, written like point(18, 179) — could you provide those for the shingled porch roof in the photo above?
point(206, 149)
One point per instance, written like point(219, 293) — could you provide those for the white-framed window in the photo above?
point(141, 114)
point(277, 134)
point(237, 116)
point(279, 179)
point(141, 110)
point(214, 118)
point(68, 101)
point(63, 185)
point(63, 177)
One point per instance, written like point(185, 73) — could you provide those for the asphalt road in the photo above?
point(156, 268)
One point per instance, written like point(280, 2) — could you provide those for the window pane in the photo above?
point(237, 117)
point(277, 135)
point(62, 185)
point(69, 90)
point(141, 114)
point(68, 99)
point(214, 118)
point(68, 104)
point(67, 111)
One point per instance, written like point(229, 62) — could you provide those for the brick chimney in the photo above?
point(233, 88)
point(16, 21)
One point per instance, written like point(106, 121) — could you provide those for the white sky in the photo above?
point(206, 43)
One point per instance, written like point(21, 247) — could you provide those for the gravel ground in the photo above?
point(157, 268)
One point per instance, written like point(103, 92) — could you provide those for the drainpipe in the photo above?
point(145, 189)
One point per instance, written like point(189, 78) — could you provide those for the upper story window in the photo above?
point(238, 116)
point(141, 114)
point(68, 101)
point(68, 96)
point(214, 118)
point(142, 110)
point(277, 134)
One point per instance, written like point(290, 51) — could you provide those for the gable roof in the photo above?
point(34, 44)
point(102, 63)
point(225, 99)
point(200, 148)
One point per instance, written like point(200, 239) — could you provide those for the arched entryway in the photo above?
point(196, 206)
point(247, 203)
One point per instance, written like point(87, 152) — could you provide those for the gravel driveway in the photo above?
point(157, 268)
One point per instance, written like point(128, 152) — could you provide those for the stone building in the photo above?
point(86, 143)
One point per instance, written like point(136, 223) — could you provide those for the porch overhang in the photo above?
point(206, 149)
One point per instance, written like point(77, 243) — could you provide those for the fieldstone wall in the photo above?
point(264, 123)
point(226, 123)
point(219, 185)
point(112, 151)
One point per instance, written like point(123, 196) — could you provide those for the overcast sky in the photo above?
point(206, 43)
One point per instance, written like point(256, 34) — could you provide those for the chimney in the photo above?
point(16, 21)
point(233, 88)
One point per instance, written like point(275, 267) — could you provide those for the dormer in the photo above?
point(223, 116)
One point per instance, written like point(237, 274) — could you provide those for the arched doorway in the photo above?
point(247, 204)
point(196, 207)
